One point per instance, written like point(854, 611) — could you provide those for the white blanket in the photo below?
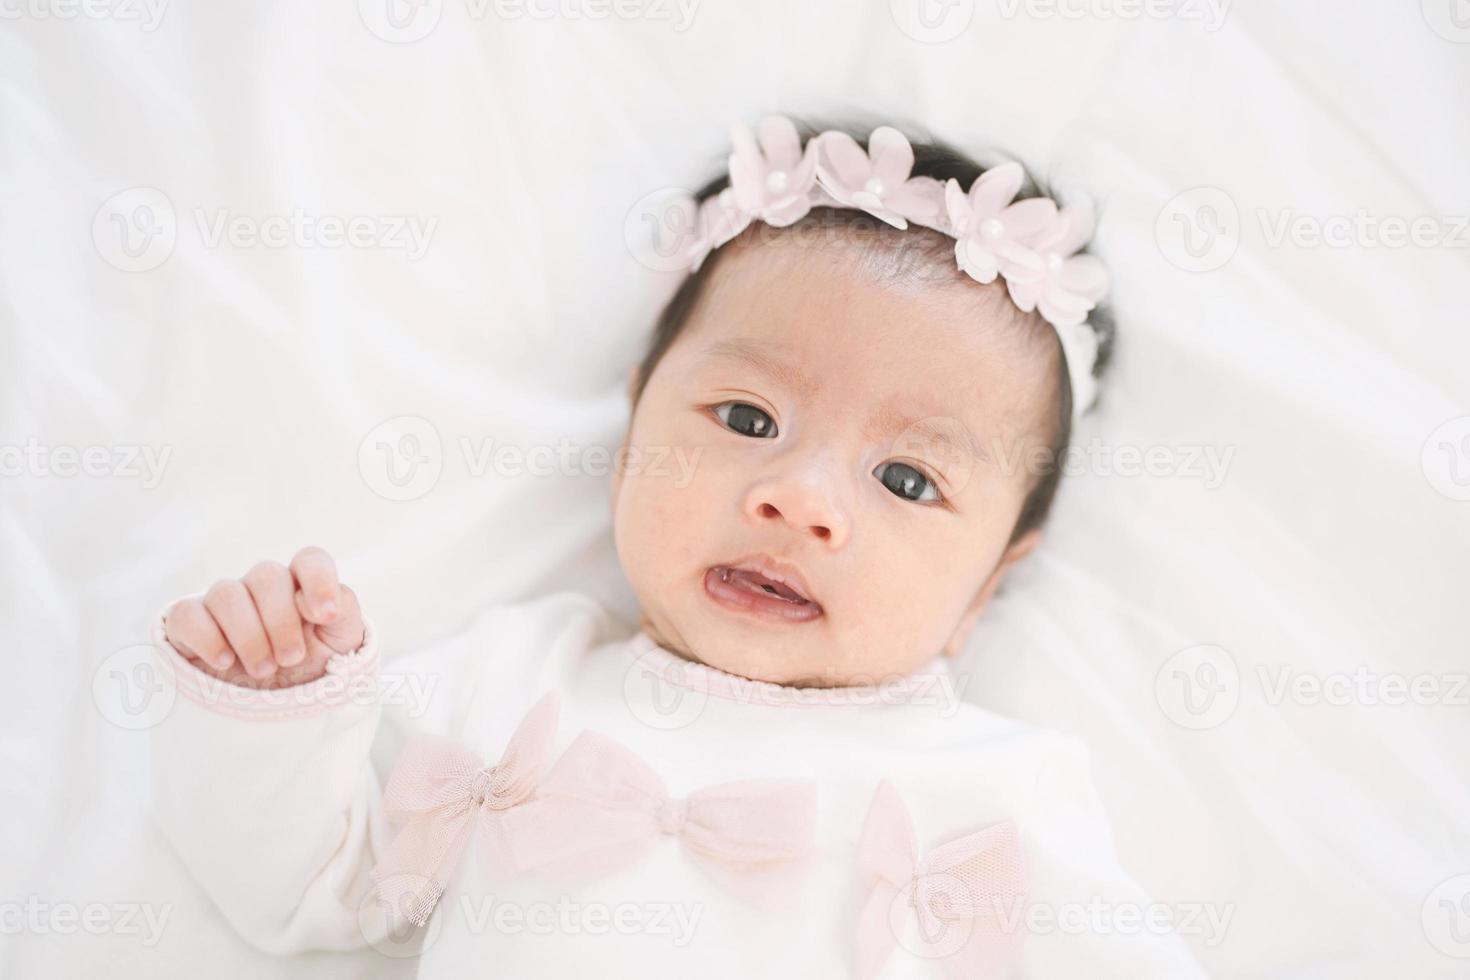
point(235, 382)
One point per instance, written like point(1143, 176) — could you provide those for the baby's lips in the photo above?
point(779, 574)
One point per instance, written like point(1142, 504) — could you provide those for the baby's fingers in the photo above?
point(193, 632)
point(345, 633)
point(229, 602)
point(273, 590)
point(321, 593)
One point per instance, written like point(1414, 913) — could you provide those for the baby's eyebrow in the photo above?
point(942, 432)
point(784, 373)
point(945, 432)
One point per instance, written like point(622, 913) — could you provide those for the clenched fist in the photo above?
point(273, 627)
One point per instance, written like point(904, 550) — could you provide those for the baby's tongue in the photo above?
point(756, 582)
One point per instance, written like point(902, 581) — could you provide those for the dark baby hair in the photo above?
point(935, 253)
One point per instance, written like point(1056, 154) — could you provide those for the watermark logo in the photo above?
point(1450, 19)
point(402, 458)
point(131, 690)
point(668, 695)
point(134, 690)
point(1199, 230)
point(927, 917)
point(1445, 917)
point(407, 21)
point(661, 230)
point(1446, 459)
point(943, 443)
point(660, 695)
point(135, 230)
point(932, 21)
point(384, 922)
point(400, 21)
point(937, 915)
point(1198, 687)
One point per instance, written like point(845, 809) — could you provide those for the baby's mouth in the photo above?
point(749, 590)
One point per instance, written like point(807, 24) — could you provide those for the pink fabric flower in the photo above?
point(878, 181)
point(714, 221)
point(992, 233)
point(772, 181)
point(1066, 286)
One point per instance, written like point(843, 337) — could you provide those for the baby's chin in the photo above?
point(796, 655)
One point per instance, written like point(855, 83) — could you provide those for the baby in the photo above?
point(774, 773)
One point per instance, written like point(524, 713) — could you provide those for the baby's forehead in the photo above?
point(853, 290)
point(833, 338)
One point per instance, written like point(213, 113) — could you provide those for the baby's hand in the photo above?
point(273, 627)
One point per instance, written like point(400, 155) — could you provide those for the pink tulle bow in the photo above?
point(958, 905)
point(444, 792)
point(600, 802)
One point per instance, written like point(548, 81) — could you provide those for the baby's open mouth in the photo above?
point(768, 594)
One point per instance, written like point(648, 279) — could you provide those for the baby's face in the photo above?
point(860, 440)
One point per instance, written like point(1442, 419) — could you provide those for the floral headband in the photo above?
point(1032, 244)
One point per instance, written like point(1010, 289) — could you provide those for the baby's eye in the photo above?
point(903, 480)
point(747, 420)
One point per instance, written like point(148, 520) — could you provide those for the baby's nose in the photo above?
point(805, 503)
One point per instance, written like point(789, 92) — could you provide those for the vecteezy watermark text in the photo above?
point(148, 14)
point(1200, 687)
point(34, 458)
point(136, 230)
point(407, 21)
point(407, 233)
point(41, 918)
point(403, 458)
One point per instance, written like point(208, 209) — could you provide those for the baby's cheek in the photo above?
point(903, 624)
point(912, 602)
point(657, 529)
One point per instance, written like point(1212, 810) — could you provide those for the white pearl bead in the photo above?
point(992, 228)
point(874, 186)
point(777, 181)
point(1054, 262)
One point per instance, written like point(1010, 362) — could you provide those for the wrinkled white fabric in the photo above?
point(265, 369)
point(274, 804)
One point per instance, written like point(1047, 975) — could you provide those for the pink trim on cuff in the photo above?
point(351, 678)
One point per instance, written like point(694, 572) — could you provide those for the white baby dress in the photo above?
point(550, 797)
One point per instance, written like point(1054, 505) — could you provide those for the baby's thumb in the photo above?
point(345, 632)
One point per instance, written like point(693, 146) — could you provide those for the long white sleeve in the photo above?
point(270, 800)
point(273, 799)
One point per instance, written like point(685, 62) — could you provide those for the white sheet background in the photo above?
point(1326, 548)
